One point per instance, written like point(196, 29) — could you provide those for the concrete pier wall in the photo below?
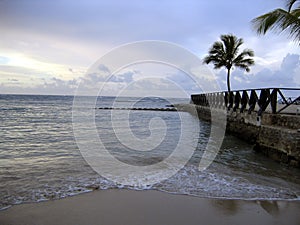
point(275, 135)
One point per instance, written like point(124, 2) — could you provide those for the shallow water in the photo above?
point(40, 160)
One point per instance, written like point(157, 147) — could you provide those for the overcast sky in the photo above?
point(46, 47)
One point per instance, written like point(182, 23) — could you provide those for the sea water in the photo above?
point(40, 159)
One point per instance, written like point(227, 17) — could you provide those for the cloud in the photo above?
point(286, 76)
point(14, 80)
point(170, 81)
point(52, 87)
point(290, 63)
point(193, 24)
point(93, 78)
point(61, 39)
point(104, 69)
point(4, 60)
point(13, 70)
point(185, 82)
point(98, 78)
point(138, 79)
point(126, 77)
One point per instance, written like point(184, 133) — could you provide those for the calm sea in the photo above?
point(40, 160)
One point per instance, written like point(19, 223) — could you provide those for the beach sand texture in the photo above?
point(128, 207)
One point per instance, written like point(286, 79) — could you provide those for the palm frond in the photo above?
point(232, 44)
point(242, 55)
point(245, 64)
point(270, 21)
point(293, 24)
point(290, 4)
point(280, 20)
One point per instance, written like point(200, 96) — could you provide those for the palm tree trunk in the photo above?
point(228, 80)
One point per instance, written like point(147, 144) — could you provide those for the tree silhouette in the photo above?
point(225, 53)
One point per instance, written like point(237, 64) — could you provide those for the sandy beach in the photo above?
point(150, 207)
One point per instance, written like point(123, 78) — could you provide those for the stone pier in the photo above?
point(256, 117)
point(276, 136)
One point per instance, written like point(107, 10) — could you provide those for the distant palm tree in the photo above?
point(287, 20)
point(224, 53)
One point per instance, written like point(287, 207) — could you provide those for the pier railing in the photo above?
point(250, 99)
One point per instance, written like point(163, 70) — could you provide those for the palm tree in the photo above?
point(224, 53)
point(282, 20)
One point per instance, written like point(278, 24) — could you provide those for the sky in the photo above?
point(48, 47)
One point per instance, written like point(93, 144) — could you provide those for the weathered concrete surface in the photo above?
point(277, 136)
point(282, 120)
point(243, 125)
point(279, 143)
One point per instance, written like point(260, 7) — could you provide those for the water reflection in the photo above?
point(230, 207)
point(227, 207)
point(271, 207)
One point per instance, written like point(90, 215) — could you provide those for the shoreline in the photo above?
point(154, 190)
point(121, 206)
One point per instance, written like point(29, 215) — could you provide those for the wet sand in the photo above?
point(128, 207)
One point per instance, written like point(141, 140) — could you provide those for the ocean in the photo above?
point(41, 160)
